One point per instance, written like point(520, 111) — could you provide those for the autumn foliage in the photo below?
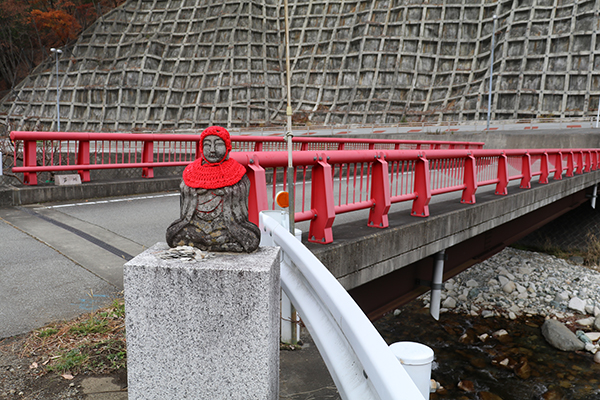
point(29, 28)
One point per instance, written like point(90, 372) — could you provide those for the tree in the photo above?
point(28, 28)
point(56, 26)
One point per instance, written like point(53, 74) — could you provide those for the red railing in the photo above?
point(330, 182)
point(344, 181)
point(82, 152)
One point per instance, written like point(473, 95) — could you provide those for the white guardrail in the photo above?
point(359, 361)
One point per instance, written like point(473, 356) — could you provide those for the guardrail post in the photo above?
point(257, 198)
point(198, 148)
point(544, 168)
point(579, 161)
point(29, 160)
point(526, 171)
point(502, 175)
point(422, 188)
point(380, 193)
point(470, 180)
point(148, 157)
point(570, 164)
point(587, 164)
point(322, 203)
point(558, 168)
point(83, 158)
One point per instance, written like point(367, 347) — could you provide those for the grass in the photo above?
point(92, 343)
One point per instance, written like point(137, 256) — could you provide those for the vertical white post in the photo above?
point(290, 320)
point(489, 111)
point(598, 113)
point(56, 53)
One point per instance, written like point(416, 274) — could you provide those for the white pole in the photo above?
point(290, 169)
point(57, 52)
point(489, 111)
point(598, 113)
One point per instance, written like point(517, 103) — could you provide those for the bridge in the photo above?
point(430, 196)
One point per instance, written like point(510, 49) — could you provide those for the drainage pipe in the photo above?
point(436, 285)
point(594, 195)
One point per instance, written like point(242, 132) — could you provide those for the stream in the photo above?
point(519, 365)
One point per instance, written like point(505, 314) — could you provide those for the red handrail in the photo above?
point(83, 151)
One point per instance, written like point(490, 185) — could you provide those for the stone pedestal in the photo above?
point(203, 329)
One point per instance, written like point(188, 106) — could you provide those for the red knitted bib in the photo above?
point(213, 176)
point(207, 175)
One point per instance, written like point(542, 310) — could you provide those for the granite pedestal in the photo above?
point(203, 329)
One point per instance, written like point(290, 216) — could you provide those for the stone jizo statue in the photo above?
point(214, 200)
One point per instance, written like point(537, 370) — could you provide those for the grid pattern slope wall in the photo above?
point(185, 64)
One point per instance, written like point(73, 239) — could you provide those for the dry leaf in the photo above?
point(67, 376)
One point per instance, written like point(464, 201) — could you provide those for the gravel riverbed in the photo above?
point(516, 282)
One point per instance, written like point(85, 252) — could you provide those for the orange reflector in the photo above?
point(283, 199)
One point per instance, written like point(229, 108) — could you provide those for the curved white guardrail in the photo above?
point(360, 362)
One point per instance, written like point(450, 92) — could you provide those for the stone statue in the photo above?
point(214, 200)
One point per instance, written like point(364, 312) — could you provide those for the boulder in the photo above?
point(560, 337)
point(577, 304)
point(597, 323)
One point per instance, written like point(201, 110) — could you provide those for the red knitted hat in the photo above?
point(207, 175)
point(216, 131)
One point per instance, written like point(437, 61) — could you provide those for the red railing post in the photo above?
point(470, 180)
point(148, 157)
point(422, 178)
point(570, 164)
point(29, 160)
point(198, 148)
point(502, 175)
point(587, 164)
point(544, 168)
point(558, 168)
point(579, 168)
point(380, 194)
point(83, 158)
point(257, 198)
point(321, 203)
point(526, 171)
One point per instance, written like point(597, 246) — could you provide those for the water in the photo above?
point(534, 370)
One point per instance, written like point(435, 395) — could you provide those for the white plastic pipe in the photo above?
point(594, 193)
point(436, 286)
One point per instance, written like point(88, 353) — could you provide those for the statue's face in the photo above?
point(214, 148)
